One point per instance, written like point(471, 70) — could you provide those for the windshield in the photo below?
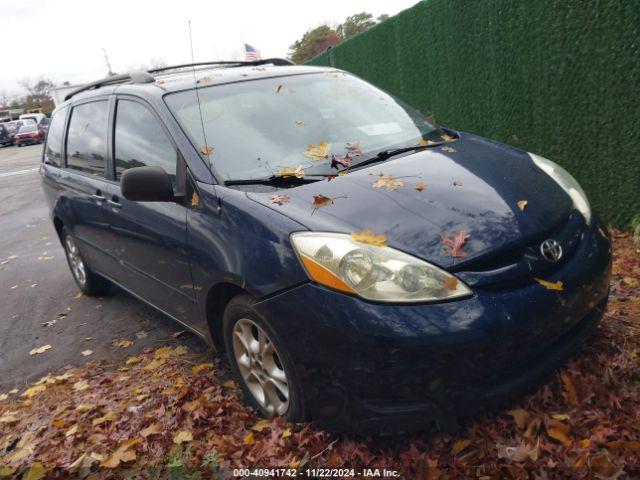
point(258, 128)
point(31, 127)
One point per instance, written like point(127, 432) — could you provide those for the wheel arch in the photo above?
point(218, 297)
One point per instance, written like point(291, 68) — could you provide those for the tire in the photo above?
point(90, 283)
point(268, 380)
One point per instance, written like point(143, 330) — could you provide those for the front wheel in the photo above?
point(260, 362)
point(90, 283)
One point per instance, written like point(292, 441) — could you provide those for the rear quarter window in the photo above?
point(87, 138)
point(53, 148)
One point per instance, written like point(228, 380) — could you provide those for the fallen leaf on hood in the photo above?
point(389, 182)
point(86, 353)
point(122, 454)
point(182, 437)
point(354, 147)
point(321, 201)
point(447, 138)
point(287, 172)
point(420, 186)
point(455, 241)
point(317, 152)
point(278, 88)
point(344, 160)
point(39, 350)
point(279, 199)
point(32, 391)
point(558, 286)
point(522, 204)
point(367, 236)
point(206, 150)
point(448, 149)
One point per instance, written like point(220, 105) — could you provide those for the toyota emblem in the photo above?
point(551, 250)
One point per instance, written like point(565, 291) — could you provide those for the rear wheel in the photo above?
point(260, 362)
point(90, 283)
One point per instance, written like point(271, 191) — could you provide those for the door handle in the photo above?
point(98, 198)
point(115, 205)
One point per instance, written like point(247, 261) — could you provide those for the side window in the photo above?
point(53, 149)
point(140, 140)
point(87, 138)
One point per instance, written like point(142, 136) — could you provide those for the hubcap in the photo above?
point(75, 261)
point(260, 366)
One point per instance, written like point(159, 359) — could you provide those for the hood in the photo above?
point(475, 188)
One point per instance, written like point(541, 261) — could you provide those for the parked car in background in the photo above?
point(362, 266)
point(36, 117)
point(5, 136)
point(29, 134)
point(45, 124)
point(14, 126)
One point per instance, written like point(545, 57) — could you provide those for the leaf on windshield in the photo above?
point(367, 236)
point(278, 88)
point(288, 172)
point(318, 152)
point(522, 204)
point(387, 181)
point(279, 199)
point(558, 286)
point(455, 241)
point(206, 150)
point(344, 160)
point(426, 142)
point(420, 186)
point(448, 149)
point(447, 138)
point(354, 147)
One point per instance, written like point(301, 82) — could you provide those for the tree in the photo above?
point(355, 24)
point(38, 93)
point(313, 43)
point(383, 17)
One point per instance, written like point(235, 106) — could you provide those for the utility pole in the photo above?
point(106, 59)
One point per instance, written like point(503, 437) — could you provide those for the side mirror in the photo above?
point(146, 184)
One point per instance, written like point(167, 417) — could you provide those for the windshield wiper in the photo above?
point(386, 154)
point(276, 180)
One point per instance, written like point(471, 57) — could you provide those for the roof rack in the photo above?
point(134, 77)
point(231, 63)
point(146, 77)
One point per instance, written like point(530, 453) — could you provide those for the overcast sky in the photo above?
point(63, 39)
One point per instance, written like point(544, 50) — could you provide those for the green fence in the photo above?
point(556, 77)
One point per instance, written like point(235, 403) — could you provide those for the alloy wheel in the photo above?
point(260, 366)
point(75, 260)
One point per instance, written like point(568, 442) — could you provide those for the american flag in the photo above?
point(251, 54)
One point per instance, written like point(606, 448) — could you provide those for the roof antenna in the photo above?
point(204, 149)
point(106, 58)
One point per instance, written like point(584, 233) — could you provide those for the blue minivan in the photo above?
point(361, 266)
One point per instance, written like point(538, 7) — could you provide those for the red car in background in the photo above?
point(29, 134)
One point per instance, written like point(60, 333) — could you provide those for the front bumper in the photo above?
point(374, 367)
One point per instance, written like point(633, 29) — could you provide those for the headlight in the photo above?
point(375, 273)
point(567, 182)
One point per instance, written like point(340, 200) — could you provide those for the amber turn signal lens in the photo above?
point(321, 275)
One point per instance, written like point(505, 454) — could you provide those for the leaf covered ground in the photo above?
point(170, 414)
